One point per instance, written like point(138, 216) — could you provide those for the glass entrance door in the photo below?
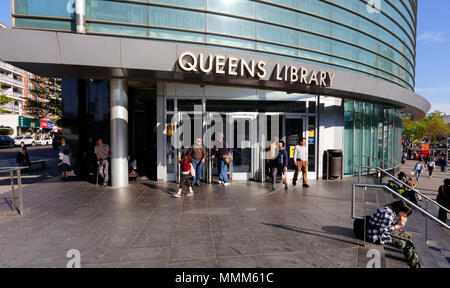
point(244, 146)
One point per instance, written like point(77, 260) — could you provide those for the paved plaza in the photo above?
point(244, 225)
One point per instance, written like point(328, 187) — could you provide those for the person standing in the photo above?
point(301, 162)
point(384, 228)
point(22, 158)
point(418, 169)
point(64, 159)
point(198, 159)
point(186, 162)
point(102, 151)
point(443, 199)
point(220, 154)
point(281, 163)
point(430, 165)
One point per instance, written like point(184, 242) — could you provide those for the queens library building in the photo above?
point(150, 77)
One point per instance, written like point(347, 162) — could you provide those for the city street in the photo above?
point(8, 159)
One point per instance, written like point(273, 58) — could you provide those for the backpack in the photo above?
point(358, 227)
point(186, 164)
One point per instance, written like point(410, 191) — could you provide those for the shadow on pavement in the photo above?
point(314, 232)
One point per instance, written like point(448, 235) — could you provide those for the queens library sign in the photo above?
point(239, 67)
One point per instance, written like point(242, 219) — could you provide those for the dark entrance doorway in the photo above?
point(143, 131)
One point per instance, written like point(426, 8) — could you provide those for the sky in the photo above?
point(433, 50)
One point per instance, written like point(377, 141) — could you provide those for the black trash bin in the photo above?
point(334, 163)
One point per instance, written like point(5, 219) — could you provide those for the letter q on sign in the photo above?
point(188, 62)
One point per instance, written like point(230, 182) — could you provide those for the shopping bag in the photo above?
point(284, 178)
point(192, 171)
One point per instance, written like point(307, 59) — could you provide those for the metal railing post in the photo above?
point(365, 218)
point(13, 197)
point(19, 183)
point(426, 221)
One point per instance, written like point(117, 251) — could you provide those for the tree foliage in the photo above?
point(4, 100)
point(48, 102)
point(432, 125)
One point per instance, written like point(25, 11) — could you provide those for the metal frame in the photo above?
point(19, 184)
point(428, 199)
point(384, 188)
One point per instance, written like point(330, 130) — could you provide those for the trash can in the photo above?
point(334, 163)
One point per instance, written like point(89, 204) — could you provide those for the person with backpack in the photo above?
point(430, 164)
point(186, 164)
point(443, 199)
point(280, 164)
point(384, 228)
point(418, 168)
point(198, 159)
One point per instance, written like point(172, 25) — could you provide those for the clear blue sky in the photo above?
point(433, 51)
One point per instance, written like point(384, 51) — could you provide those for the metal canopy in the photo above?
point(70, 55)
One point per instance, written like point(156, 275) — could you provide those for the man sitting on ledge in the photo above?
point(384, 228)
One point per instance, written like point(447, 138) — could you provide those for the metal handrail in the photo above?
point(377, 159)
point(19, 184)
point(405, 184)
point(424, 212)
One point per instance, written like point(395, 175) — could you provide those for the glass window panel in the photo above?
point(348, 137)
point(200, 4)
point(55, 8)
point(117, 29)
point(276, 15)
point(169, 17)
point(231, 41)
point(117, 11)
point(177, 35)
point(235, 7)
point(45, 24)
point(231, 26)
point(276, 34)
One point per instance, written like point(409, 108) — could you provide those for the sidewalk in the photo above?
point(244, 225)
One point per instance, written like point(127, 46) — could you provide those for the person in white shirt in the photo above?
point(301, 162)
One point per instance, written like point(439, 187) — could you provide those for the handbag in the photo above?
point(227, 158)
point(192, 171)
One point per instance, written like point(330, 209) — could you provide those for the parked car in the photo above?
point(6, 141)
point(44, 141)
point(24, 140)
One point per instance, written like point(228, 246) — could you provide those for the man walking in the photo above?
point(102, 151)
point(198, 159)
point(301, 162)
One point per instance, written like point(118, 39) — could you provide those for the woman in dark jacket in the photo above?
point(22, 158)
point(280, 163)
point(443, 199)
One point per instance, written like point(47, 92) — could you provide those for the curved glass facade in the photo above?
point(371, 130)
point(341, 34)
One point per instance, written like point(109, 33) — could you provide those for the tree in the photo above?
point(4, 100)
point(432, 125)
point(47, 101)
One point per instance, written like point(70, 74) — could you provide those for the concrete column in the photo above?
point(119, 133)
point(80, 16)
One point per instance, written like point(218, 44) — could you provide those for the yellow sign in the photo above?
point(170, 128)
point(291, 151)
point(311, 131)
